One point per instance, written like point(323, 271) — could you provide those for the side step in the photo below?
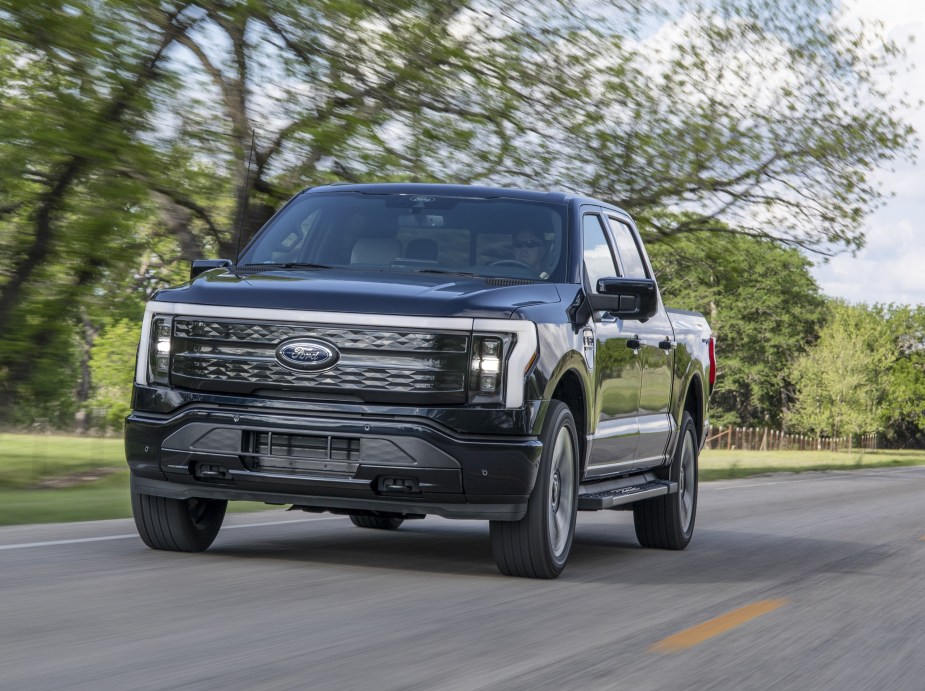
point(614, 493)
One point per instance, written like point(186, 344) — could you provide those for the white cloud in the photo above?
point(891, 268)
point(893, 13)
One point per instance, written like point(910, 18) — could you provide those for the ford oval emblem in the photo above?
point(307, 355)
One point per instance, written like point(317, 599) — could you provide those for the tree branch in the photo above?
point(51, 202)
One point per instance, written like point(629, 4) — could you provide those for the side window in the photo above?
point(633, 265)
point(599, 261)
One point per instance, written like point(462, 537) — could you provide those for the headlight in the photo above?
point(159, 349)
point(486, 374)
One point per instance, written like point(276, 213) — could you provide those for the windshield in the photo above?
point(411, 232)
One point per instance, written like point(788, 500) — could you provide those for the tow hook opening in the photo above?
point(210, 471)
point(398, 485)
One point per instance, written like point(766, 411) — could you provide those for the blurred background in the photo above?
point(750, 140)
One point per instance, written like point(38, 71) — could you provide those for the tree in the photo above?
point(903, 411)
point(764, 118)
point(764, 307)
point(842, 381)
point(125, 127)
point(112, 363)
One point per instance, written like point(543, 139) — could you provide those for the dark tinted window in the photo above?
point(630, 258)
point(599, 261)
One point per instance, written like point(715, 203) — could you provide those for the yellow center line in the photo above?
point(695, 635)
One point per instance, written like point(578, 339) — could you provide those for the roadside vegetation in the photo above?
point(728, 465)
point(54, 479)
point(47, 478)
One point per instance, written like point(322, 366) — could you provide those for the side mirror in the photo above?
point(201, 265)
point(626, 298)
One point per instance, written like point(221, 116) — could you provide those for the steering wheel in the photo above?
point(512, 262)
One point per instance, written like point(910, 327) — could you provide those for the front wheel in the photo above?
point(667, 522)
point(538, 545)
point(178, 525)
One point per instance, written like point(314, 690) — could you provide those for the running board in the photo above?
point(607, 495)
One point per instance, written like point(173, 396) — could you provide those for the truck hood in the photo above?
point(363, 292)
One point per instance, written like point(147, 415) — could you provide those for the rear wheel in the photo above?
point(376, 522)
point(667, 522)
point(538, 545)
point(178, 525)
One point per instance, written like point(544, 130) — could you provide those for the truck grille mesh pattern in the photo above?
point(240, 356)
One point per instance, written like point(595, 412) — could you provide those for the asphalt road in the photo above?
point(814, 581)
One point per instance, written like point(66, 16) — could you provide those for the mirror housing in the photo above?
point(201, 265)
point(626, 298)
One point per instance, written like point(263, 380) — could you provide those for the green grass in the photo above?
point(725, 465)
point(27, 459)
point(29, 462)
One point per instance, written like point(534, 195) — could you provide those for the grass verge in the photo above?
point(726, 465)
point(57, 479)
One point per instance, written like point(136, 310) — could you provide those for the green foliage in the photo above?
point(764, 307)
point(903, 408)
point(112, 365)
point(842, 381)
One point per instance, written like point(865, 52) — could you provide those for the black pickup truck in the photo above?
point(389, 351)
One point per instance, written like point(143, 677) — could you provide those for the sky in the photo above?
point(891, 267)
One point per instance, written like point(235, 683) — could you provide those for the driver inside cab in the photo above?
point(530, 249)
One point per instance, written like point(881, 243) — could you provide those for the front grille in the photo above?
point(318, 455)
point(401, 366)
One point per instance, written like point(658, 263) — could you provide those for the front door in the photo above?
point(617, 365)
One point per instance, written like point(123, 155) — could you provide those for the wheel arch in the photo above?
point(570, 389)
point(694, 404)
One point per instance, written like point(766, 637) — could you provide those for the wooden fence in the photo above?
point(765, 439)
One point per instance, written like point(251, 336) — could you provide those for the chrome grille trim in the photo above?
point(261, 372)
point(344, 339)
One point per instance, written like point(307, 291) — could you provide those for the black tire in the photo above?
point(667, 522)
point(178, 525)
point(376, 522)
point(538, 545)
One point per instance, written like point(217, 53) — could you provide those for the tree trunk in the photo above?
point(89, 333)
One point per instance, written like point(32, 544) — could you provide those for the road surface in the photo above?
point(812, 581)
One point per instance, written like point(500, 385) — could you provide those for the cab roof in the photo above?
point(474, 191)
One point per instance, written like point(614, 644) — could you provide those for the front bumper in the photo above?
point(339, 461)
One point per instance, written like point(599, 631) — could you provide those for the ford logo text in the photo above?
point(307, 355)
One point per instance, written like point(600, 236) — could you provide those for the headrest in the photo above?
point(375, 251)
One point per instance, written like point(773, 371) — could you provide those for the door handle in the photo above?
point(633, 343)
point(666, 344)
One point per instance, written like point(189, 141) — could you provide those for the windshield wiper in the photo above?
point(446, 271)
point(284, 265)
